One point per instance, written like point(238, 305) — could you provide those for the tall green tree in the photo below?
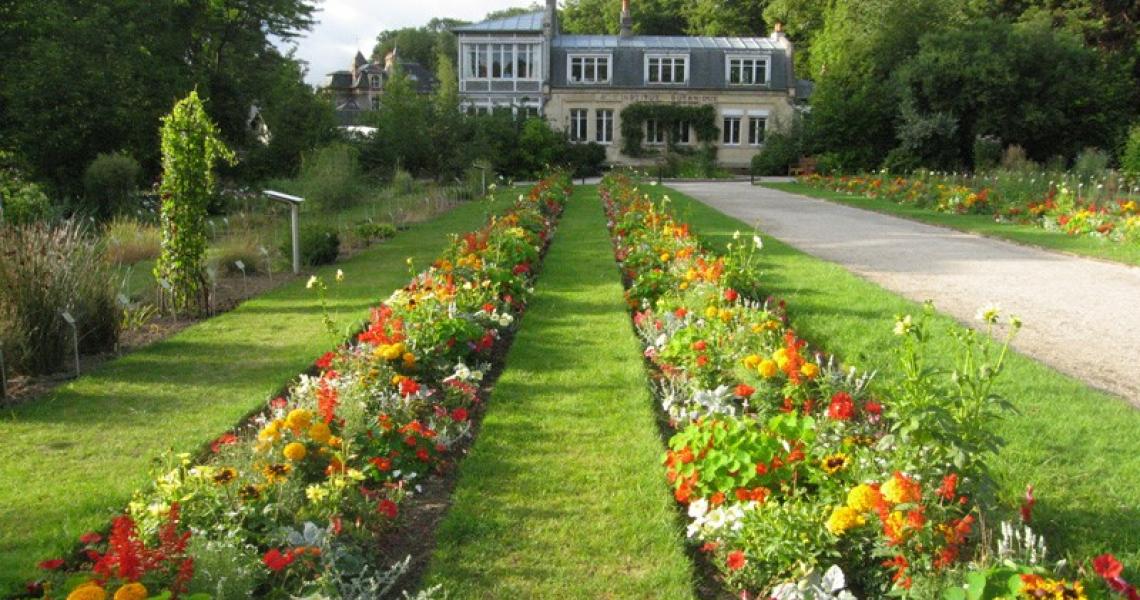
point(716, 17)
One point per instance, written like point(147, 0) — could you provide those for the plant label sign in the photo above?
point(240, 265)
point(67, 317)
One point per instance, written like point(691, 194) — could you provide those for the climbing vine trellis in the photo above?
point(702, 118)
point(190, 149)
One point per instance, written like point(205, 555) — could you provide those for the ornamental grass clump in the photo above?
point(46, 269)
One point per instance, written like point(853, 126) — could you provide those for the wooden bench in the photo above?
point(806, 166)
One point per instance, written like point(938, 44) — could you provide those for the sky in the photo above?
point(346, 26)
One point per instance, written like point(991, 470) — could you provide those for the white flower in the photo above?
point(904, 325)
point(339, 275)
point(312, 282)
point(698, 508)
point(736, 235)
point(756, 241)
point(989, 313)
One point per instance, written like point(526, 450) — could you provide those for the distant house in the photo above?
point(358, 91)
point(581, 83)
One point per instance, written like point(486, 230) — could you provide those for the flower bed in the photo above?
point(1069, 207)
point(292, 503)
point(799, 477)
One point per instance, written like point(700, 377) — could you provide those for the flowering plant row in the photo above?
point(292, 504)
point(1057, 207)
point(800, 478)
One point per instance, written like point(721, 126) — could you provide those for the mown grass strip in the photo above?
point(1073, 443)
point(983, 225)
point(69, 461)
point(562, 495)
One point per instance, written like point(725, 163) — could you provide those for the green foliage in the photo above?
point(21, 201)
point(1091, 164)
point(371, 231)
point(586, 160)
point(109, 184)
point(987, 153)
point(403, 136)
point(1130, 159)
point(330, 177)
point(633, 117)
point(320, 245)
point(48, 269)
point(190, 149)
point(540, 147)
point(127, 241)
point(713, 17)
point(781, 150)
point(925, 140)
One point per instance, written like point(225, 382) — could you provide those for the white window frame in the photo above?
point(753, 118)
point(579, 125)
point(374, 81)
point(685, 129)
point(726, 138)
point(755, 58)
point(507, 53)
point(596, 58)
point(684, 58)
point(376, 103)
point(604, 126)
point(658, 133)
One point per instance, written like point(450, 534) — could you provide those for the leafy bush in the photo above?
point(1015, 159)
point(127, 241)
point(779, 152)
point(48, 269)
point(370, 231)
point(586, 159)
point(987, 153)
point(330, 177)
point(1130, 159)
point(108, 185)
point(320, 245)
point(21, 201)
point(1091, 163)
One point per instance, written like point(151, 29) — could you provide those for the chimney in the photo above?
point(626, 20)
point(390, 60)
point(550, 22)
point(781, 40)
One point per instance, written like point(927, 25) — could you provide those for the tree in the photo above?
point(714, 17)
point(403, 131)
point(190, 150)
point(513, 11)
point(650, 17)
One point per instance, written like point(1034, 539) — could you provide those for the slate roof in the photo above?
point(663, 42)
point(528, 22)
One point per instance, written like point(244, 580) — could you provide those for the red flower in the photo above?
point(422, 455)
point(709, 547)
point(387, 508)
point(680, 313)
point(745, 391)
point(717, 499)
point(89, 538)
point(1027, 505)
point(278, 403)
point(325, 360)
point(949, 486)
point(736, 560)
point(1107, 566)
point(842, 407)
point(731, 295)
point(382, 464)
point(873, 407)
point(225, 440)
point(700, 345)
point(761, 469)
point(409, 387)
point(51, 565)
point(459, 414)
point(276, 560)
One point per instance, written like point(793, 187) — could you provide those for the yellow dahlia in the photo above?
point(298, 419)
point(88, 591)
point(768, 369)
point(295, 451)
point(844, 518)
point(320, 432)
point(901, 489)
point(863, 498)
point(132, 591)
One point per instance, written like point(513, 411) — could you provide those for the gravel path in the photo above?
point(1081, 316)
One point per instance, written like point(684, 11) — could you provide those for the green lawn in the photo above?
point(563, 494)
point(981, 225)
point(1074, 443)
point(70, 461)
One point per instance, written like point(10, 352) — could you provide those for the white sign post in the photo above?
point(294, 203)
point(74, 336)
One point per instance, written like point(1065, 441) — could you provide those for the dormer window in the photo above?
point(374, 80)
point(746, 70)
point(589, 68)
point(666, 68)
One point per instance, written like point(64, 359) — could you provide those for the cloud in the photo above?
point(346, 26)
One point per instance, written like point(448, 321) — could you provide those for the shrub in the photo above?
point(370, 231)
point(829, 163)
point(1130, 159)
point(779, 152)
point(109, 184)
point(1015, 159)
point(987, 153)
point(320, 245)
point(21, 201)
point(403, 182)
point(243, 247)
point(330, 177)
point(586, 160)
point(47, 269)
point(127, 241)
point(1091, 163)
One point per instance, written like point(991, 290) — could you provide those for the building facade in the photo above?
point(357, 91)
point(583, 82)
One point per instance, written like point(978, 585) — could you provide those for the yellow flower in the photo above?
point(751, 361)
point(316, 493)
point(225, 476)
point(276, 473)
point(298, 419)
point(396, 379)
point(664, 257)
point(335, 441)
point(88, 591)
point(320, 432)
point(835, 463)
point(725, 315)
point(863, 498)
point(409, 360)
point(901, 489)
point(768, 368)
point(810, 370)
point(295, 451)
point(710, 312)
point(272, 431)
point(132, 591)
point(843, 518)
point(781, 357)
